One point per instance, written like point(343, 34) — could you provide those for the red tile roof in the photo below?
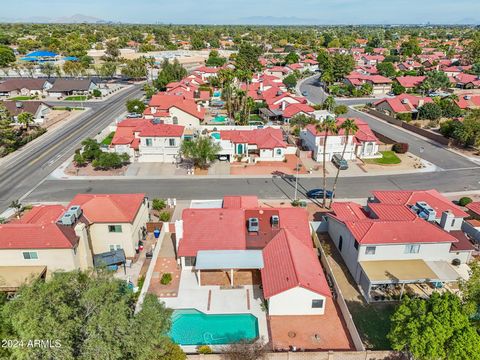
point(409, 82)
point(363, 134)
point(289, 263)
point(392, 212)
point(474, 207)
point(410, 197)
point(404, 102)
point(37, 229)
point(126, 130)
point(266, 138)
point(115, 208)
point(397, 232)
point(212, 229)
point(468, 102)
point(294, 109)
point(348, 211)
point(240, 202)
point(358, 79)
point(164, 101)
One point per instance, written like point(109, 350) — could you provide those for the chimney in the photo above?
point(447, 221)
point(199, 108)
point(261, 86)
point(420, 102)
point(283, 105)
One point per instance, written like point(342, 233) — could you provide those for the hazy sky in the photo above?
point(230, 11)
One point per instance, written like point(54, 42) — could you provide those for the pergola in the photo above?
point(12, 277)
point(228, 260)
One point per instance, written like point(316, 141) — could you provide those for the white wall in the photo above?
point(296, 301)
point(160, 150)
point(184, 118)
point(334, 146)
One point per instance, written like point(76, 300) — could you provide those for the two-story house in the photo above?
point(115, 221)
point(38, 243)
point(147, 141)
point(363, 144)
point(400, 238)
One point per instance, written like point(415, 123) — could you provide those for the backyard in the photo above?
point(388, 158)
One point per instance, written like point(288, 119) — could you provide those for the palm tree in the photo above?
point(25, 118)
point(329, 103)
point(329, 125)
point(226, 77)
point(17, 206)
point(48, 69)
point(350, 128)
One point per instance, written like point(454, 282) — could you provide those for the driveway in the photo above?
point(427, 149)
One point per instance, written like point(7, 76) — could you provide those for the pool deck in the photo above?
point(213, 300)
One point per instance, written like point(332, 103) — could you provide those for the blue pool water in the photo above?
point(217, 93)
point(215, 135)
point(192, 327)
point(219, 119)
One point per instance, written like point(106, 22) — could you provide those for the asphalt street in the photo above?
point(265, 188)
point(22, 171)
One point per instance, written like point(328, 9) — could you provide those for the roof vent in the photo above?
point(404, 101)
point(253, 225)
point(467, 97)
point(275, 221)
point(19, 104)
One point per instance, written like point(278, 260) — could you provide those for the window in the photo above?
point(340, 243)
point(317, 304)
point(115, 247)
point(148, 142)
point(355, 244)
point(171, 142)
point(370, 250)
point(412, 249)
point(30, 255)
point(279, 151)
point(175, 120)
point(453, 222)
point(115, 228)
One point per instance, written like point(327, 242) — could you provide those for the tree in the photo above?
point(214, 59)
point(72, 68)
point(472, 50)
point(343, 65)
point(201, 151)
point(324, 60)
point(7, 56)
point(291, 58)
point(25, 118)
point(247, 58)
point(471, 288)
point(135, 106)
point(349, 127)
point(302, 120)
point(245, 350)
point(169, 72)
point(468, 133)
point(435, 80)
point(47, 69)
point(329, 103)
point(112, 51)
point(386, 69)
point(135, 69)
point(108, 69)
point(328, 125)
point(79, 160)
point(106, 161)
point(17, 206)
point(410, 48)
point(398, 89)
point(449, 108)
point(436, 328)
point(91, 316)
point(430, 111)
point(340, 109)
point(290, 81)
point(91, 149)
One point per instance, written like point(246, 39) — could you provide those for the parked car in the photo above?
point(304, 93)
point(339, 162)
point(223, 158)
point(318, 194)
point(134, 116)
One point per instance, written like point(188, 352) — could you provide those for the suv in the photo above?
point(339, 162)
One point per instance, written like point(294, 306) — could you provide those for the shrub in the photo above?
point(166, 279)
point(464, 201)
point(97, 93)
point(79, 160)
point(400, 148)
point(204, 349)
point(405, 117)
point(295, 203)
point(159, 204)
point(165, 216)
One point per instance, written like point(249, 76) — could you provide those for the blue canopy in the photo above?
point(40, 53)
point(70, 58)
point(28, 58)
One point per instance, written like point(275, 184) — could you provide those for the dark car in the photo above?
point(318, 194)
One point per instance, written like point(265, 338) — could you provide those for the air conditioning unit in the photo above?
point(68, 219)
point(275, 221)
point(76, 210)
point(467, 97)
point(253, 225)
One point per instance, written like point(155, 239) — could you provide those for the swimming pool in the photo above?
point(219, 119)
point(215, 135)
point(217, 94)
point(193, 327)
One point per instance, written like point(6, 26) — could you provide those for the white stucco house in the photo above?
point(363, 144)
point(400, 238)
point(175, 110)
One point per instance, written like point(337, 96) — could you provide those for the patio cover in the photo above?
point(115, 257)
point(12, 277)
point(229, 259)
point(444, 270)
point(398, 271)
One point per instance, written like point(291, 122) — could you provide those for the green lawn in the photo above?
point(373, 323)
point(76, 98)
point(108, 140)
point(22, 98)
point(388, 158)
